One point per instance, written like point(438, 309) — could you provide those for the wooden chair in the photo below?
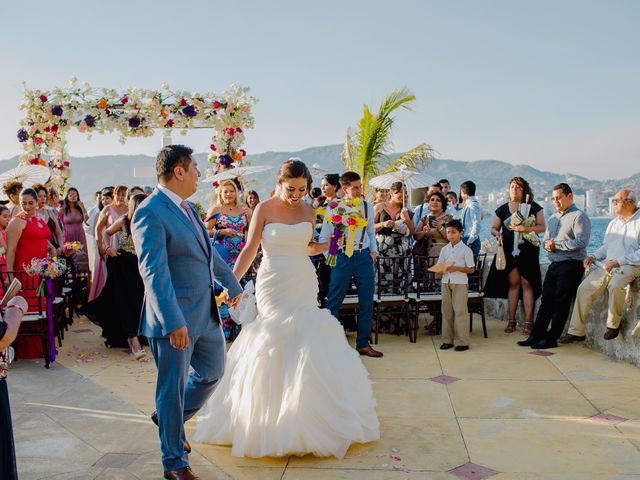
point(393, 276)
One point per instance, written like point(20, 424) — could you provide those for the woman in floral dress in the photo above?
point(227, 222)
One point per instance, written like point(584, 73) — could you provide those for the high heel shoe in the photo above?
point(511, 326)
point(527, 328)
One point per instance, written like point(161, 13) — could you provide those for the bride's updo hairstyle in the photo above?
point(294, 168)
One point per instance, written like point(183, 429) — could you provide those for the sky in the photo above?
point(551, 83)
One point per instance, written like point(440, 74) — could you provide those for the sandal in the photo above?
point(511, 326)
point(527, 328)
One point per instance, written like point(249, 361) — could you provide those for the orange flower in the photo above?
point(163, 112)
point(42, 162)
point(102, 103)
point(236, 156)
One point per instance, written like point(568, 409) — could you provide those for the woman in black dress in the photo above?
point(521, 278)
point(9, 326)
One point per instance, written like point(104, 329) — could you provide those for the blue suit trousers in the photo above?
point(360, 268)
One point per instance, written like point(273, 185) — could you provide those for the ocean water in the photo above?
point(598, 227)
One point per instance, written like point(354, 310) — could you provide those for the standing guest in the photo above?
point(330, 185)
point(253, 199)
point(107, 217)
point(148, 190)
point(49, 215)
point(381, 195)
point(128, 288)
point(134, 191)
point(393, 224)
point(179, 315)
point(436, 187)
point(54, 198)
point(5, 216)
point(458, 261)
point(73, 215)
point(565, 241)
point(620, 257)
point(99, 273)
point(453, 209)
point(471, 216)
point(89, 227)
point(445, 186)
point(27, 238)
point(9, 326)
point(227, 222)
point(12, 189)
point(359, 265)
point(431, 233)
point(522, 273)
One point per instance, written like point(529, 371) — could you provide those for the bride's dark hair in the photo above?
point(294, 169)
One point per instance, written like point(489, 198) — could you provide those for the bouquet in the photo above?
point(531, 237)
point(346, 218)
point(48, 267)
point(69, 247)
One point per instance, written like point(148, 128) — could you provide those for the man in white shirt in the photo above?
point(359, 265)
point(618, 262)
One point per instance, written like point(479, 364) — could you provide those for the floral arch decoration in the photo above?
point(135, 112)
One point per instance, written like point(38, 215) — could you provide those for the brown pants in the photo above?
point(455, 315)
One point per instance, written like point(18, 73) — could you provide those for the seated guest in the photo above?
point(12, 189)
point(471, 216)
point(565, 241)
point(620, 257)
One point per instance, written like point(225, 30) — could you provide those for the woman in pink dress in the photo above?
point(73, 215)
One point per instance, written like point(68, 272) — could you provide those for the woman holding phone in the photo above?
point(431, 234)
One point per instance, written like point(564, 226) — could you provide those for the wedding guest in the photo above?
point(253, 199)
point(618, 261)
point(134, 191)
point(49, 215)
point(359, 265)
point(5, 216)
point(566, 240)
point(99, 273)
point(393, 224)
point(431, 234)
point(127, 286)
point(330, 185)
point(27, 238)
point(381, 195)
point(227, 222)
point(522, 273)
point(89, 227)
point(148, 190)
point(453, 209)
point(12, 189)
point(471, 216)
point(73, 215)
point(9, 326)
point(458, 260)
point(434, 188)
point(445, 186)
point(54, 198)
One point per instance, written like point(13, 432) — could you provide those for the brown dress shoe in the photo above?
point(369, 352)
point(181, 474)
point(568, 338)
point(611, 333)
point(187, 445)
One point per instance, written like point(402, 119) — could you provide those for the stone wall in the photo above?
point(626, 347)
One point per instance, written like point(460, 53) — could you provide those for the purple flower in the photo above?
point(57, 111)
point(90, 120)
point(23, 136)
point(134, 122)
point(225, 160)
point(189, 111)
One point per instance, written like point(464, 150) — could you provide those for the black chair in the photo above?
point(393, 276)
point(426, 292)
point(475, 299)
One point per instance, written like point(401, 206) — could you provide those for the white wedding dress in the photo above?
point(292, 384)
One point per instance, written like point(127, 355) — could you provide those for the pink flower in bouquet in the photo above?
point(351, 221)
point(333, 205)
point(336, 219)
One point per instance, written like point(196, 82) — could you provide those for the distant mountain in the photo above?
point(92, 173)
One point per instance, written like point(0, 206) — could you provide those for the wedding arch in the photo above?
point(135, 112)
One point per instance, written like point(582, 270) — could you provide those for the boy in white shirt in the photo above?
point(458, 260)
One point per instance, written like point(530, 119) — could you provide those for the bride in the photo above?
point(292, 384)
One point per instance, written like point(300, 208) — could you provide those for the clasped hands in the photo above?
point(610, 265)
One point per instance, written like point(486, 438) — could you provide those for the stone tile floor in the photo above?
point(494, 411)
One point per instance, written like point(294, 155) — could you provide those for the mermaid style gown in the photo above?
point(292, 383)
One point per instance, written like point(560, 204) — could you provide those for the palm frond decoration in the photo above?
point(417, 158)
point(366, 150)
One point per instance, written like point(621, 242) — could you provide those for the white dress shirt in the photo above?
point(462, 256)
point(174, 197)
point(621, 241)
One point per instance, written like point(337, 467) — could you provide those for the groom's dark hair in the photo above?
point(170, 157)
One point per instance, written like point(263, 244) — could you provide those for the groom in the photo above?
point(179, 316)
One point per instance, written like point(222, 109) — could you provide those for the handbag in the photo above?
point(222, 248)
point(501, 258)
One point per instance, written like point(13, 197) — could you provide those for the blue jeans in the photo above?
point(359, 267)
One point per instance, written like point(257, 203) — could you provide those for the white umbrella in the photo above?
point(236, 172)
point(409, 178)
point(27, 174)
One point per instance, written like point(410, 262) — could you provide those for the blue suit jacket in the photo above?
point(177, 269)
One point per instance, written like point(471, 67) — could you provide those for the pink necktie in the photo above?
point(195, 223)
